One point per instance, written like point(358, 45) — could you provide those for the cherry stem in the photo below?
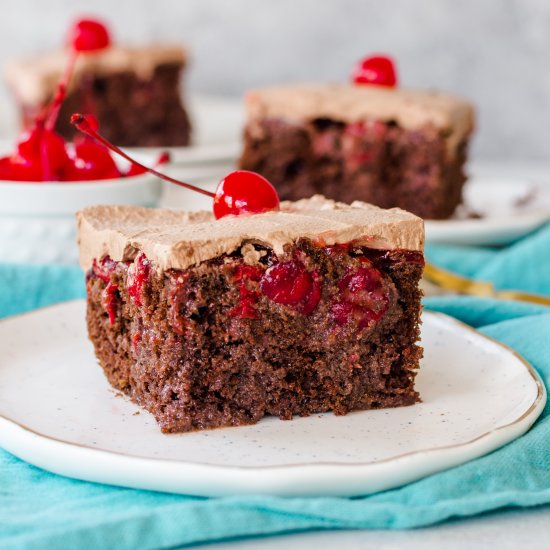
point(61, 91)
point(55, 107)
point(81, 122)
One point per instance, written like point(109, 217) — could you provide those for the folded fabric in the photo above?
point(42, 510)
point(524, 265)
point(27, 287)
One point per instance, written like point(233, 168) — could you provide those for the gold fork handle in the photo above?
point(462, 285)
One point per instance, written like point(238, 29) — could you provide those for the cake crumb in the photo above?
point(251, 255)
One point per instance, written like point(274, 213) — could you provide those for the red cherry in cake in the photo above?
point(362, 287)
point(246, 275)
point(138, 275)
point(104, 268)
point(362, 297)
point(289, 283)
point(88, 35)
point(377, 69)
point(341, 312)
point(109, 300)
point(240, 192)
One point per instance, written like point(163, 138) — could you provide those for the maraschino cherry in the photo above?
point(376, 69)
point(41, 153)
point(40, 156)
point(240, 192)
point(88, 35)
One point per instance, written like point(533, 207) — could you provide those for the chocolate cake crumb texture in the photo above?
point(309, 328)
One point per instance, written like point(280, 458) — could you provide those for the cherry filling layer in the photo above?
point(138, 276)
point(291, 284)
point(363, 298)
point(110, 297)
point(351, 286)
point(247, 277)
point(357, 145)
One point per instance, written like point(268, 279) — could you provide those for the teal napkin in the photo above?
point(42, 510)
point(524, 265)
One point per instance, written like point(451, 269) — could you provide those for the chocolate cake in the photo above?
point(387, 146)
point(209, 323)
point(134, 92)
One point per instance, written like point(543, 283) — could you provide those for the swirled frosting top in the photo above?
point(177, 239)
point(33, 79)
point(410, 109)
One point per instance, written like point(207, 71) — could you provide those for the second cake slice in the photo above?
point(387, 146)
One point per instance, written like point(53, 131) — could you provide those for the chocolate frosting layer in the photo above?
point(176, 239)
point(33, 79)
point(410, 109)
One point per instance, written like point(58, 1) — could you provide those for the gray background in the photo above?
point(496, 52)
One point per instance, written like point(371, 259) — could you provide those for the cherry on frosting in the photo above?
point(240, 192)
point(243, 191)
point(376, 69)
point(88, 35)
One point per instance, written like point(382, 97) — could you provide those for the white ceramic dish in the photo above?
point(477, 396)
point(37, 220)
point(509, 208)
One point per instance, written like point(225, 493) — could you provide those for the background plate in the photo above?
point(509, 208)
point(477, 395)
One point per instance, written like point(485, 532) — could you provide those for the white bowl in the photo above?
point(37, 220)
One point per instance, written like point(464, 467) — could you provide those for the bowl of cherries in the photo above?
point(45, 180)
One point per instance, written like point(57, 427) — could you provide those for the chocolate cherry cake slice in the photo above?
point(388, 146)
point(135, 93)
point(209, 323)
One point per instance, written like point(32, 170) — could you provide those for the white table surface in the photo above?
point(505, 530)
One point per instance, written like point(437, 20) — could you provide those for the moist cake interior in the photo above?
point(291, 327)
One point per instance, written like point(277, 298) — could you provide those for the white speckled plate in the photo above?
point(58, 412)
point(506, 209)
